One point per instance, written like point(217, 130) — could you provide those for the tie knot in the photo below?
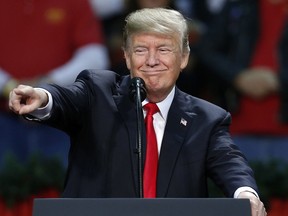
point(151, 108)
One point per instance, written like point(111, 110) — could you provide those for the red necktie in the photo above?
point(151, 161)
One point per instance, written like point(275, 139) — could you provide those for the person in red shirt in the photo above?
point(49, 39)
point(40, 41)
point(244, 51)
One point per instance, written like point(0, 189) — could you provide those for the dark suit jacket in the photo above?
point(101, 120)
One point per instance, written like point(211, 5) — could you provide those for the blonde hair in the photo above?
point(156, 20)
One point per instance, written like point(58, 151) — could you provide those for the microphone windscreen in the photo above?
point(137, 82)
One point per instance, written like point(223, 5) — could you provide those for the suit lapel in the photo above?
point(178, 122)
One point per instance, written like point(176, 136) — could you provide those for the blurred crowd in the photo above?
point(239, 61)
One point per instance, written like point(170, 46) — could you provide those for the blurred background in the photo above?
point(239, 61)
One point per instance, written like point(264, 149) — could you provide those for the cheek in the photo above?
point(172, 63)
point(175, 69)
point(133, 62)
point(137, 62)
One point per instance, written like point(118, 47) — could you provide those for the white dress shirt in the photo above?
point(160, 118)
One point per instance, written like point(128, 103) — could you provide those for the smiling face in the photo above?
point(158, 59)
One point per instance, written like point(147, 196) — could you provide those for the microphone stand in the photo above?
point(140, 120)
point(137, 95)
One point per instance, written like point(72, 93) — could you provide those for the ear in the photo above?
point(184, 60)
point(127, 59)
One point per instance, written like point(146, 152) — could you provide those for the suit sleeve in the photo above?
point(69, 104)
point(227, 166)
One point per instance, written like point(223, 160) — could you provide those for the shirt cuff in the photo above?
point(242, 189)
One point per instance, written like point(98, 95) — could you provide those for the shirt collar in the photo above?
point(164, 105)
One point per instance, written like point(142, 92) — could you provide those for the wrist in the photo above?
point(245, 189)
point(248, 193)
point(43, 96)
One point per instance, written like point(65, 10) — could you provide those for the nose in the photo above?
point(152, 58)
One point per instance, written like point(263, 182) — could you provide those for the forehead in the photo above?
point(153, 39)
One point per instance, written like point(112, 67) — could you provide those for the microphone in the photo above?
point(137, 95)
point(137, 89)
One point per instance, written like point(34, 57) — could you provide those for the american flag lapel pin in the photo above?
point(183, 122)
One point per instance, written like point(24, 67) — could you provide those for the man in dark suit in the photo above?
point(96, 111)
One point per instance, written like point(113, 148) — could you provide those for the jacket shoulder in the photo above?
point(97, 75)
point(198, 106)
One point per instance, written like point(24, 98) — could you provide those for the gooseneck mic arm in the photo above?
point(137, 95)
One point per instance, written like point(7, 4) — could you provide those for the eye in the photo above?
point(140, 50)
point(164, 50)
